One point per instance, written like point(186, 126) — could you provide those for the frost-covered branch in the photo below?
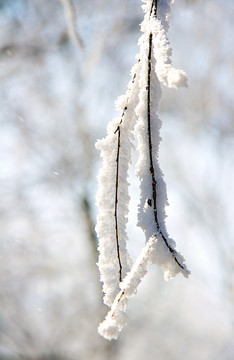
point(138, 111)
point(115, 320)
point(146, 119)
point(151, 217)
point(112, 197)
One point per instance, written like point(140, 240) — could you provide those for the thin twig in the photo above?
point(140, 262)
point(126, 106)
point(118, 131)
point(71, 23)
point(116, 205)
point(152, 171)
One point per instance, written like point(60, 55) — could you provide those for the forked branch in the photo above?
point(138, 107)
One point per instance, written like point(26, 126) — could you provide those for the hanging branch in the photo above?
point(118, 132)
point(152, 170)
point(139, 106)
point(151, 216)
point(112, 197)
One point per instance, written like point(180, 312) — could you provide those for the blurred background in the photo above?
point(57, 94)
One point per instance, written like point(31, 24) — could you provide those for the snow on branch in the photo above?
point(151, 217)
point(112, 197)
point(138, 110)
point(115, 320)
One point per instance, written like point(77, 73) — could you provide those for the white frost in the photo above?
point(138, 110)
point(115, 320)
point(156, 65)
point(112, 196)
point(166, 74)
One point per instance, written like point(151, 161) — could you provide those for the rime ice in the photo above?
point(112, 197)
point(138, 110)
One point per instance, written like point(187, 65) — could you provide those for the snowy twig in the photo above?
point(112, 196)
point(153, 190)
point(139, 106)
point(118, 132)
point(152, 170)
point(116, 203)
point(115, 320)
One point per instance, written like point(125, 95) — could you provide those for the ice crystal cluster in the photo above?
point(138, 115)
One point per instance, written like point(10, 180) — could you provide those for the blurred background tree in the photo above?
point(56, 100)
